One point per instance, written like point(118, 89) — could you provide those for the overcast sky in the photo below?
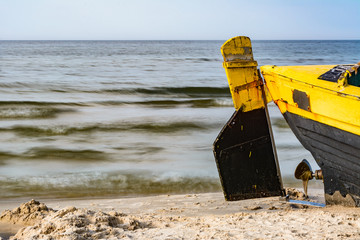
point(178, 19)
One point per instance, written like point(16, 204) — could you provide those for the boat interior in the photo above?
point(349, 72)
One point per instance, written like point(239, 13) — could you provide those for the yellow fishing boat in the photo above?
point(320, 104)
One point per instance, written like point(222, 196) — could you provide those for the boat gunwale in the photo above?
point(341, 92)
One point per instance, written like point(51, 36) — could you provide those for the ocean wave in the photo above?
point(196, 103)
point(38, 109)
point(169, 103)
point(188, 91)
point(6, 155)
point(30, 112)
point(168, 127)
point(103, 185)
point(5, 85)
point(39, 153)
point(53, 153)
point(184, 91)
point(203, 59)
point(74, 155)
point(143, 150)
point(39, 103)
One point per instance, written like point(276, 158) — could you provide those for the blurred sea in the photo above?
point(129, 118)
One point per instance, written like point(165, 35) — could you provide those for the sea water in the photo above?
point(125, 118)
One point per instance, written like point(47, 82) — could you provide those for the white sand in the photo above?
point(194, 216)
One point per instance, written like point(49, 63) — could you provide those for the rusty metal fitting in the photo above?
point(318, 174)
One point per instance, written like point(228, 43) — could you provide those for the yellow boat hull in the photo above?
point(323, 115)
point(331, 103)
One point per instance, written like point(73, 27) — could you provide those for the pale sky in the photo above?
point(178, 19)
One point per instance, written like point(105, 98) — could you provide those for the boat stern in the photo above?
point(244, 150)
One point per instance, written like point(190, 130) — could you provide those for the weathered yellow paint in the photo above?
point(241, 70)
point(332, 103)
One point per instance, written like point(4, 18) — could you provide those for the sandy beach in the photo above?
point(192, 216)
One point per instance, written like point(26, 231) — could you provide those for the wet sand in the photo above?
point(192, 216)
